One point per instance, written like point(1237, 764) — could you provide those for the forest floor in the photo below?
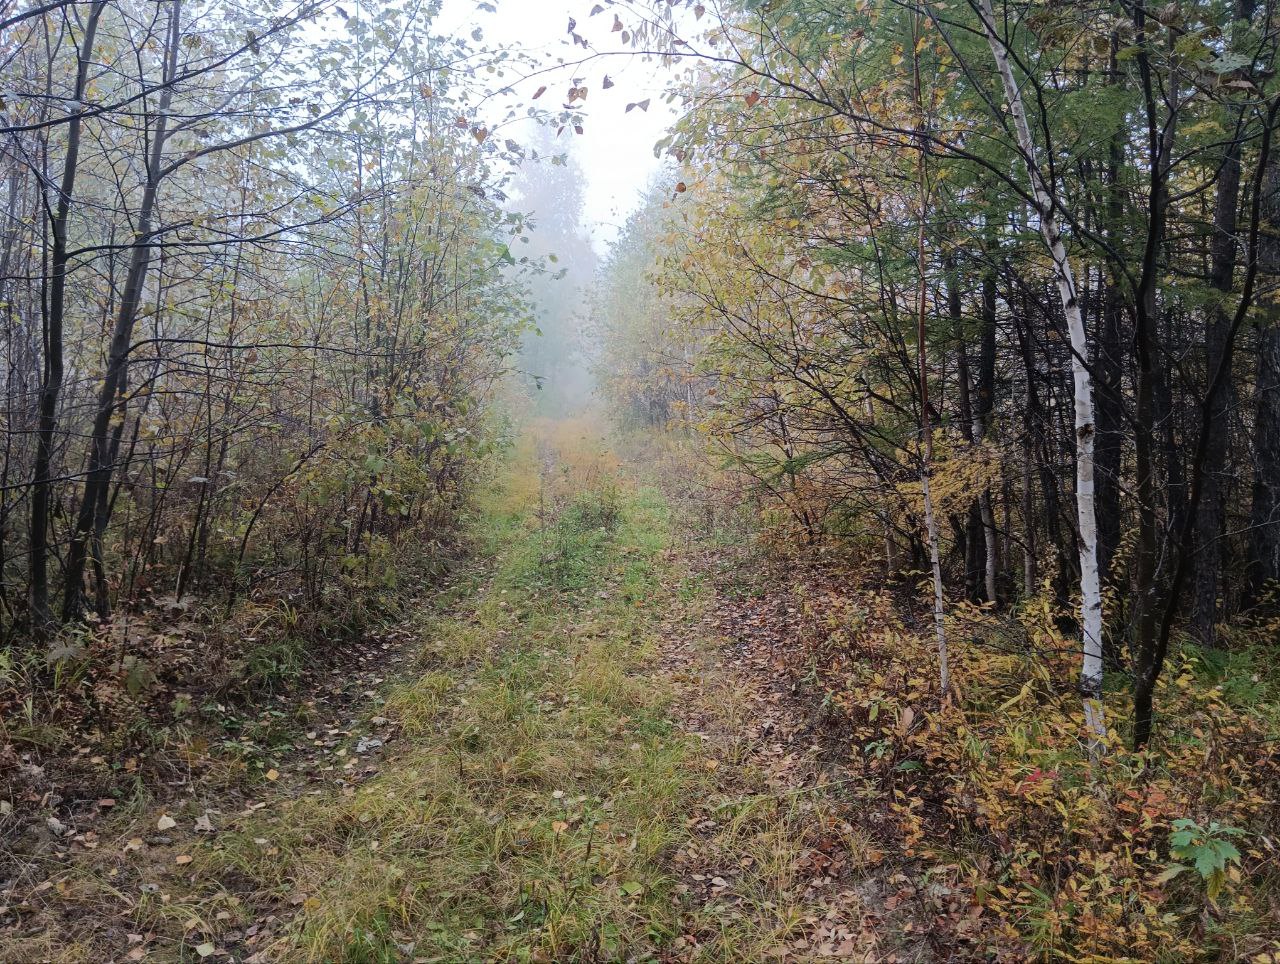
point(581, 747)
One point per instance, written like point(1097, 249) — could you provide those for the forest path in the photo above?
point(590, 756)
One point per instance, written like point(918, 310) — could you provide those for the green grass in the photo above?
point(543, 791)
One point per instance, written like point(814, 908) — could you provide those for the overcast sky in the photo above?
point(616, 148)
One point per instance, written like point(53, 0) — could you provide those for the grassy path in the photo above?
point(543, 786)
point(578, 773)
point(574, 781)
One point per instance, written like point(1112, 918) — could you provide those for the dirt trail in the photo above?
point(803, 870)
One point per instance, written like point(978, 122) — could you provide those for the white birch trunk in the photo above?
point(1090, 588)
point(979, 432)
point(989, 536)
point(926, 427)
point(939, 624)
point(926, 462)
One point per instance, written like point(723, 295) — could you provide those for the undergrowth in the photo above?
point(1167, 854)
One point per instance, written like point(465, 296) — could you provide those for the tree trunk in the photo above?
point(55, 315)
point(1211, 522)
point(1264, 516)
point(101, 464)
point(1046, 208)
point(1263, 580)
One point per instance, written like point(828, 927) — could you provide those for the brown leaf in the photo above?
point(753, 98)
point(617, 24)
point(905, 721)
point(540, 91)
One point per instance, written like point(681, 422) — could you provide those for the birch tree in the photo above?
point(1047, 204)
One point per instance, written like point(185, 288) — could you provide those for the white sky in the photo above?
point(616, 148)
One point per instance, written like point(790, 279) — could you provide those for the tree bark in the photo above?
point(1211, 522)
point(110, 401)
point(1263, 578)
point(1264, 515)
point(55, 319)
point(1046, 204)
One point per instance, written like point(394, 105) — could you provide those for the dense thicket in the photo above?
point(948, 268)
point(252, 301)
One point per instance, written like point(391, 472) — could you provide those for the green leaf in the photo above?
point(1207, 861)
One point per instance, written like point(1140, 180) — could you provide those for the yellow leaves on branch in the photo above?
point(959, 472)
